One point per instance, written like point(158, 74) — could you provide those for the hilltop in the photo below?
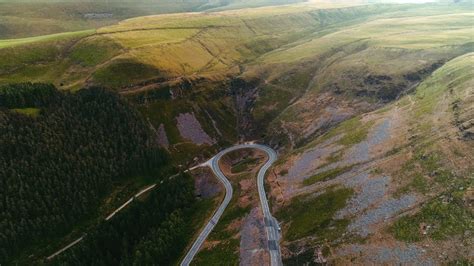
point(40, 17)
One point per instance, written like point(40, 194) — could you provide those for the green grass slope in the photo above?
point(156, 59)
point(193, 44)
point(303, 77)
point(351, 59)
point(425, 155)
point(34, 18)
point(355, 68)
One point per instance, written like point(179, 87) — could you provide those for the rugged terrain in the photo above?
point(395, 184)
point(370, 107)
point(240, 233)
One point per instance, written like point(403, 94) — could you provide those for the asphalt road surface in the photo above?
point(271, 224)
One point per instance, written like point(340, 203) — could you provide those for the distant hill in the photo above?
point(26, 18)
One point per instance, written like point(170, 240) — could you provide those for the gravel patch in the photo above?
point(381, 133)
point(253, 240)
point(358, 153)
point(357, 181)
point(372, 191)
point(190, 128)
point(385, 210)
point(162, 137)
point(350, 250)
point(311, 159)
point(329, 116)
point(409, 255)
point(206, 184)
point(354, 178)
point(361, 152)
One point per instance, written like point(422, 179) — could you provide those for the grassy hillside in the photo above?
point(155, 60)
point(203, 44)
point(411, 173)
point(355, 69)
point(369, 105)
point(44, 38)
point(350, 59)
point(34, 18)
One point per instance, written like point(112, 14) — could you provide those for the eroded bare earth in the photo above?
point(373, 169)
point(190, 128)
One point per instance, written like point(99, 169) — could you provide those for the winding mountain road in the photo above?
point(271, 224)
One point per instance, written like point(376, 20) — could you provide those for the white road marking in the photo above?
point(272, 231)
